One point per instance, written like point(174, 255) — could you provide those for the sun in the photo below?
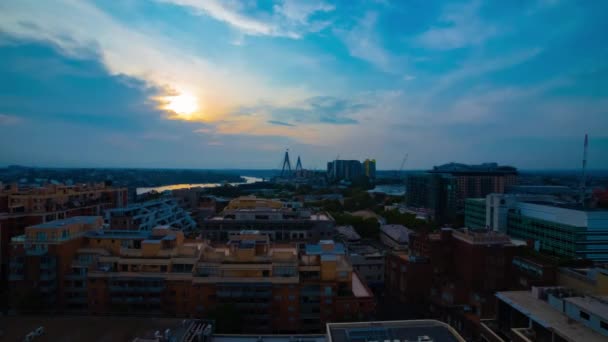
point(183, 105)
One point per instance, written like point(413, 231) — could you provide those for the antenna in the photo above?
point(584, 173)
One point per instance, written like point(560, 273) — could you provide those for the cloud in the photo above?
point(409, 77)
point(460, 26)
point(146, 55)
point(289, 18)
point(363, 42)
point(314, 110)
point(8, 120)
point(280, 123)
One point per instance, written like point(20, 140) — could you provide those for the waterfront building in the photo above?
point(369, 168)
point(344, 170)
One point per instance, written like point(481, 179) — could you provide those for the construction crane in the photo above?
point(398, 175)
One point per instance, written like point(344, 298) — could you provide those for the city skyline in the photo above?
point(230, 84)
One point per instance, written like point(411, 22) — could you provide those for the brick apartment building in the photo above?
point(23, 206)
point(456, 272)
point(282, 288)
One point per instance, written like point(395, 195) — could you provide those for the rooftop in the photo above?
point(480, 168)
point(592, 305)
point(68, 221)
point(415, 330)
point(317, 249)
point(397, 232)
point(547, 316)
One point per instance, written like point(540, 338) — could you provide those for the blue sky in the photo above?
point(231, 84)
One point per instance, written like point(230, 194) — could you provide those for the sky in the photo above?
point(233, 84)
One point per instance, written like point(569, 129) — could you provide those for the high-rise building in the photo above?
point(436, 192)
point(369, 167)
point(344, 170)
point(562, 229)
point(22, 206)
point(476, 181)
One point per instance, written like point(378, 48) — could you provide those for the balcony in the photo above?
point(15, 277)
point(48, 276)
point(136, 289)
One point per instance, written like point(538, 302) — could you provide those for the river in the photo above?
point(141, 191)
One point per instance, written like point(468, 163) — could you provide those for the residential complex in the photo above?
point(147, 215)
point(369, 168)
point(22, 206)
point(270, 217)
point(275, 287)
point(563, 229)
point(345, 170)
point(547, 314)
point(368, 261)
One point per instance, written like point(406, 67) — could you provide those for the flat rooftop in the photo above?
point(268, 338)
point(591, 305)
point(68, 221)
point(391, 331)
point(547, 316)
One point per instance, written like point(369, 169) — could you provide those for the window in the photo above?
point(291, 309)
point(328, 290)
point(604, 325)
point(292, 297)
point(584, 315)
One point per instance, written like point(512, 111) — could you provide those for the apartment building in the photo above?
point(42, 261)
point(147, 215)
point(270, 217)
point(273, 287)
point(22, 206)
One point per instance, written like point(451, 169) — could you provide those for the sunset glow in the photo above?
point(184, 105)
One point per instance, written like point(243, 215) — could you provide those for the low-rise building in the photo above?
point(270, 218)
point(547, 314)
point(147, 215)
point(555, 227)
point(589, 280)
point(368, 262)
point(347, 234)
point(395, 236)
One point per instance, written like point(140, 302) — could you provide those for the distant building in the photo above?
point(395, 236)
point(477, 181)
point(344, 170)
point(147, 215)
point(270, 217)
point(347, 234)
point(369, 167)
point(558, 228)
point(408, 280)
point(22, 206)
point(435, 192)
point(547, 314)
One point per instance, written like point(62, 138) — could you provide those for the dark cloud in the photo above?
point(280, 123)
